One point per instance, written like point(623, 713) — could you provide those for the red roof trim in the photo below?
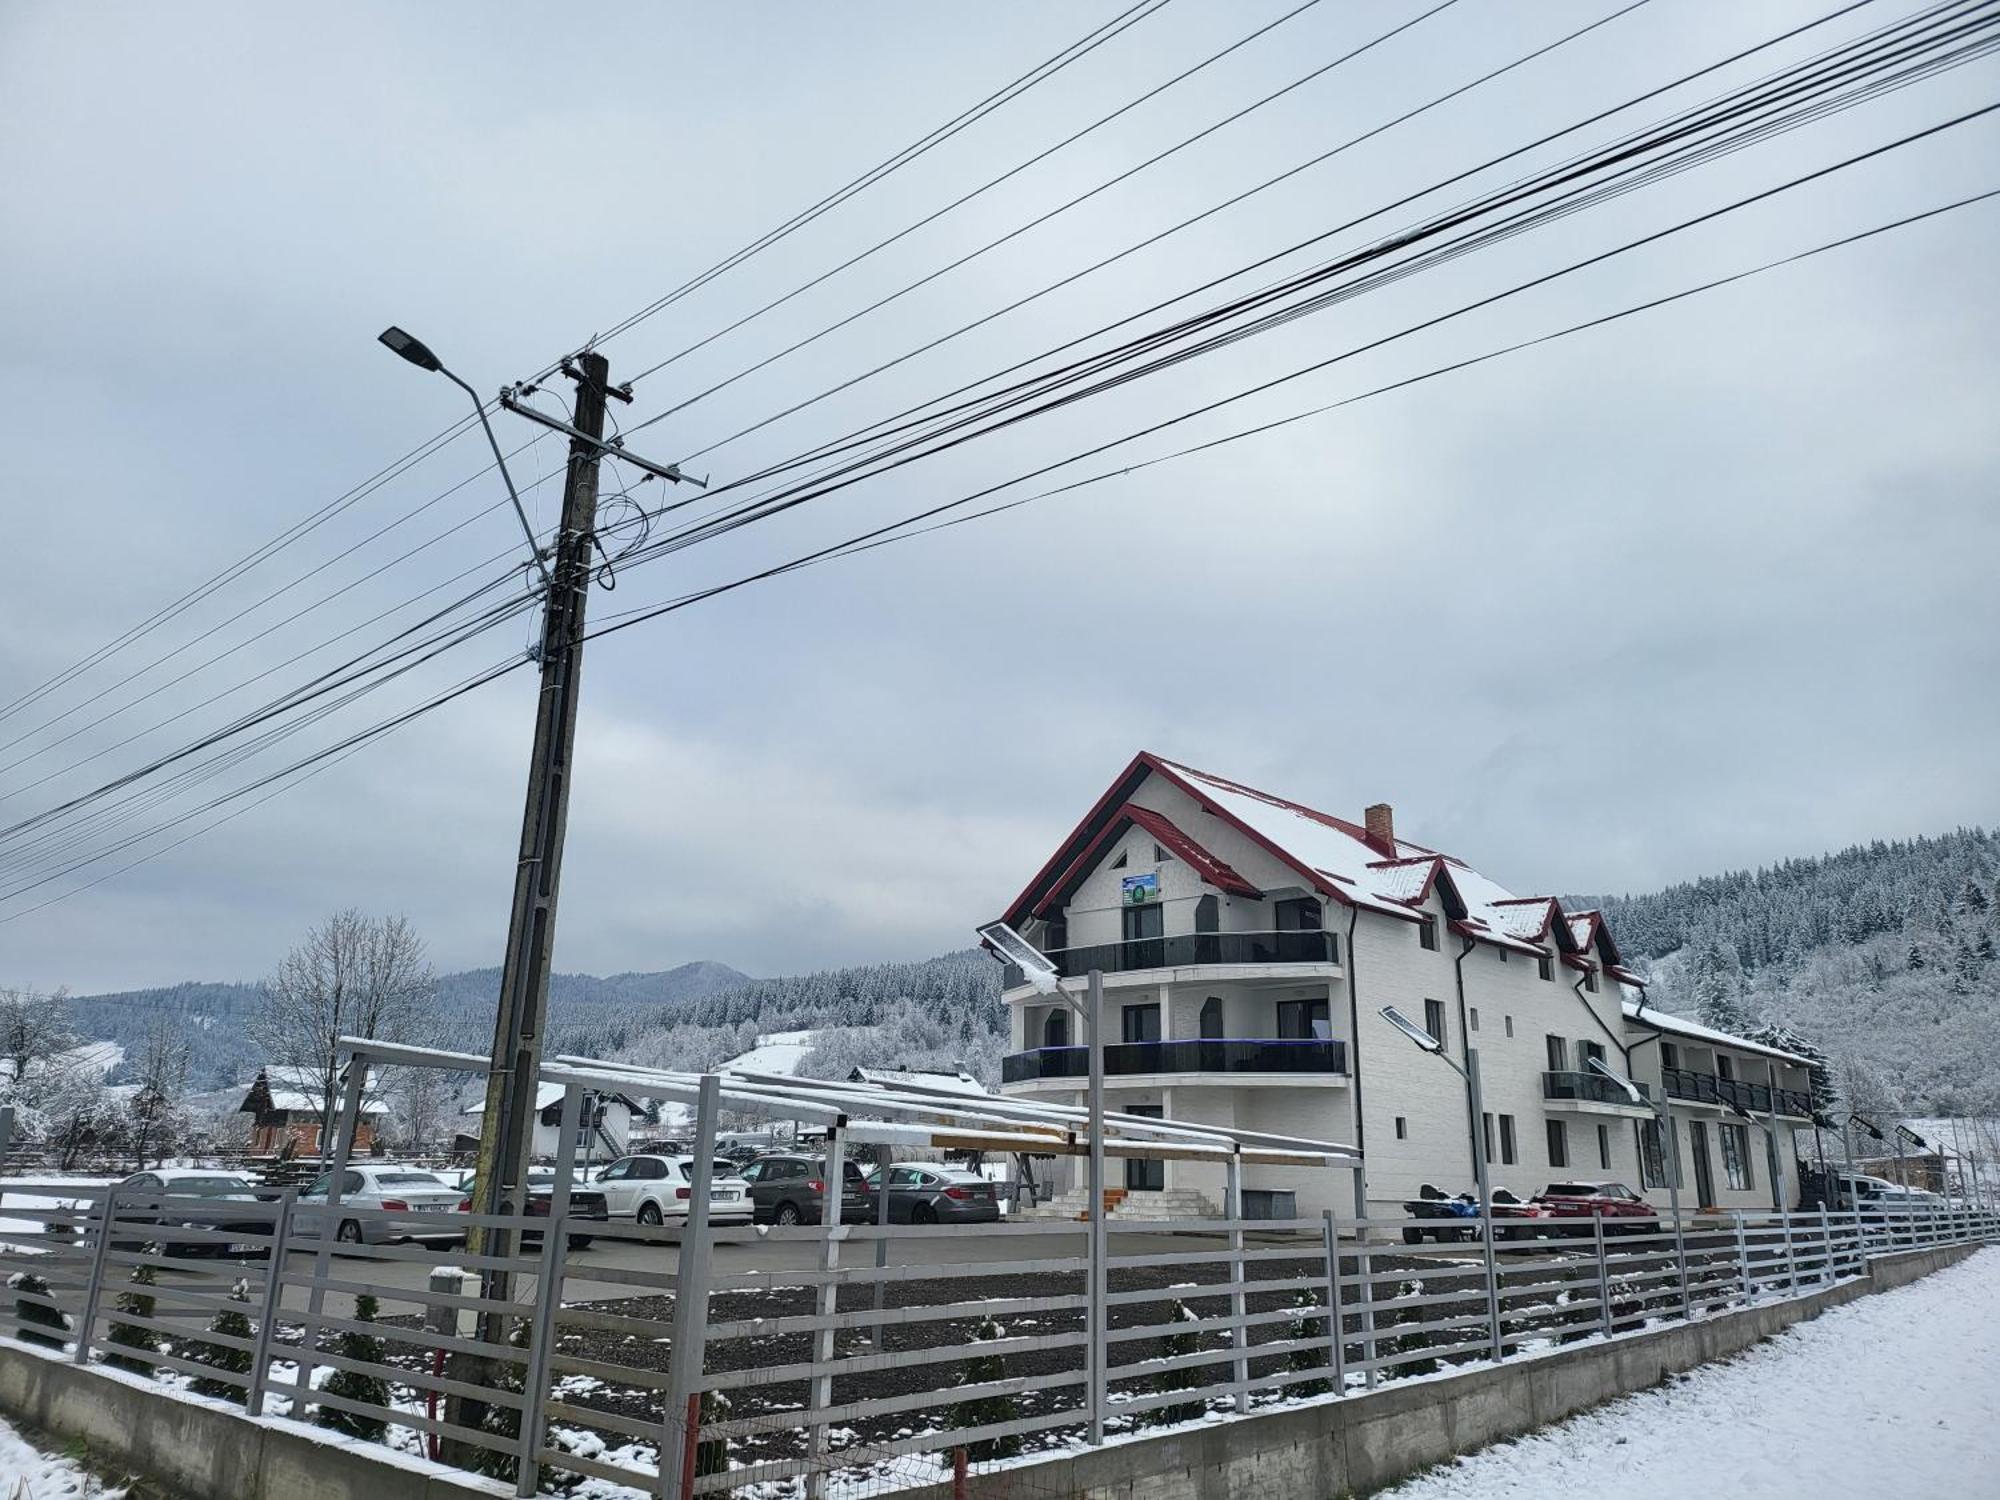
point(1321, 882)
point(1625, 976)
point(1118, 791)
point(1212, 868)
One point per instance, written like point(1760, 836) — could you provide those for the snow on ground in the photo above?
point(32, 1474)
point(1889, 1395)
point(776, 1052)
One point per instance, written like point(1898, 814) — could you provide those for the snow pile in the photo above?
point(1890, 1395)
point(29, 1472)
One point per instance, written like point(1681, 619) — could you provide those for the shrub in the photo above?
point(135, 1336)
point(1309, 1327)
point(230, 1323)
point(711, 1454)
point(30, 1285)
point(985, 1411)
point(1175, 1345)
point(352, 1385)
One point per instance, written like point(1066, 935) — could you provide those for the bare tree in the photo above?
point(160, 1070)
point(353, 975)
point(421, 1098)
point(44, 1073)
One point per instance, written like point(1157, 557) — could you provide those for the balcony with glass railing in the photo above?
point(1241, 1056)
point(1758, 1098)
point(1588, 1088)
point(1191, 950)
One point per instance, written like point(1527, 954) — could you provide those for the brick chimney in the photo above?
point(1380, 820)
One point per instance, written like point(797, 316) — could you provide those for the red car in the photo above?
point(1601, 1200)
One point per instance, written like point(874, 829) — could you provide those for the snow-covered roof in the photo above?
point(959, 1082)
point(547, 1094)
point(299, 1090)
point(1659, 1020)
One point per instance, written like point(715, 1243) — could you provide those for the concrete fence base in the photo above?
point(1310, 1452)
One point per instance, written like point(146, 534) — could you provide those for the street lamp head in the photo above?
point(1743, 1114)
point(1023, 955)
point(1411, 1030)
point(415, 350)
point(1631, 1089)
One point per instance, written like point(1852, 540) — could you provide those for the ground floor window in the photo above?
point(1652, 1159)
point(1736, 1156)
point(1558, 1144)
point(1604, 1147)
point(1402, 1128)
point(1507, 1152)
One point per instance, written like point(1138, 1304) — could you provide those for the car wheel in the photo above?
point(649, 1215)
point(350, 1232)
point(923, 1213)
point(579, 1242)
point(788, 1215)
point(1412, 1235)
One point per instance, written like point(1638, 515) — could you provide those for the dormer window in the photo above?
point(1427, 933)
point(1160, 856)
point(1121, 861)
point(1545, 965)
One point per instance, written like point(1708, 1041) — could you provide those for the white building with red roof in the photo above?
point(1248, 944)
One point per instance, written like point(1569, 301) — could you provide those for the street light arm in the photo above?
point(479, 406)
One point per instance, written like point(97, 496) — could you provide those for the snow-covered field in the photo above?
point(1893, 1395)
point(31, 1474)
point(776, 1052)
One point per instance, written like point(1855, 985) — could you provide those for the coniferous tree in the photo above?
point(1308, 1327)
point(987, 1410)
point(135, 1336)
point(28, 1285)
point(1187, 1378)
point(231, 1322)
point(353, 1385)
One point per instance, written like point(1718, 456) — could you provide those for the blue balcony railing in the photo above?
point(1203, 1055)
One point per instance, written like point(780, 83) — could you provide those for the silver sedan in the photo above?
point(400, 1190)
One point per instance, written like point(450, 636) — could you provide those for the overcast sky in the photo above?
point(1702, 589)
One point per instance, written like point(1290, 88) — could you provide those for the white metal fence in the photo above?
point(863, 1358)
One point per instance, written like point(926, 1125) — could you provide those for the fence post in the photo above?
point(1743, 1257)
point(1825, 1246)
point(958, 1473)
point(345, 1124)
point(541, 1341)
point(1335, 1321)
point(828, 1303)
point(1791, 1253)
point(1366, 1262)
point(686, 1357)
point(1239, 1335)
point(274, 1297)
point(86, 1324)
point(1603, 1274)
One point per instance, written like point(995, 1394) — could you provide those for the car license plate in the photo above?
point(432, 1208)
point(243, 1249)
point(726, 1195)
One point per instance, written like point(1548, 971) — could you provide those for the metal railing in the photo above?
point(1758, 1098)
point(1190, 950)
point(857, 1354)
point(1592, 1087)
point(1192, 1055)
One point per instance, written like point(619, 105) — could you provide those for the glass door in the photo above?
point(1704, 1174)
point(1142, 1176)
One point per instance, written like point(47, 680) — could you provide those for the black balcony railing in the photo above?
point(1205, 1055)
point(1187, 949)
point(1594, 1087)
point(1758, 1098)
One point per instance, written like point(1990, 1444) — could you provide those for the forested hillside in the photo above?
point(1882, 955)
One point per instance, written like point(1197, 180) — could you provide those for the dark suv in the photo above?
point(786, 1188)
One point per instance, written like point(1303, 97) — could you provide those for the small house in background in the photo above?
point(606, 1123)
point(284, 1106)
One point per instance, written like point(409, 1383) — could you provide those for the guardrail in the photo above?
point(1182, 1055)
point(1189, 950)
point(825, 1354)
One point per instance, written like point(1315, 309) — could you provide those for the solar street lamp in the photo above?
point(1425, 1042)
point(418, 353)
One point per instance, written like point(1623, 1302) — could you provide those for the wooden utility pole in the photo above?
point(507, 1128)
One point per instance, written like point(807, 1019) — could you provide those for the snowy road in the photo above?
point(1893, 1395)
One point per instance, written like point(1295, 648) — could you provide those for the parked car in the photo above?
point(927, 1193)
point(657, 1189)
point(585, 1202)
point(194, 1198)
point(787, 1188)
point(396, 1189)
point(1577, 1201)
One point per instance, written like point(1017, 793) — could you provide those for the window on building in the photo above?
point(1120, 862)
point(1604, 1147)
point(1558, 1053)
point(1507, 1153)
point(1211, 1017)
point(1055, 1028)
point(1141, 1023)
point(1585, 1051)
point(1725, 1067)
point(1160, 856)
point(1670, 1055)
point(1736, 1156)
point(1142, 928)
point(1652, 1156)
point(1207, 914)
point(1503, 954)
point(1472, 1019)
point(1590, 979)
point(1304, 1020)
point(1427, 933)
point(1402, 1128)
point(1486, 1136)
point(1558, 1144)
point(1545, 965)
point(1302, 914)
point(1510, 1025)
point(1434, 1018)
